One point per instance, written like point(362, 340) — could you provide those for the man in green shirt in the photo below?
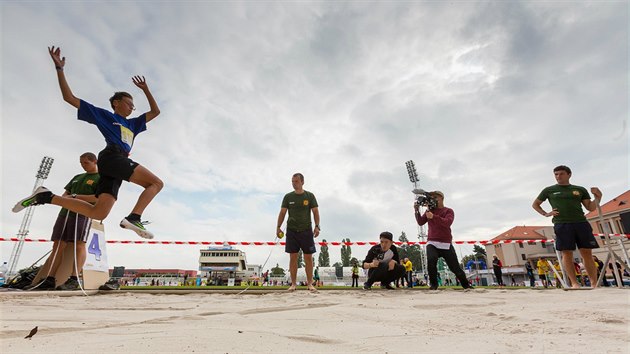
point(71, 227)
point(300, 232)
point(570, 225)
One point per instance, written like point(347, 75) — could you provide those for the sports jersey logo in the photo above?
point(89, 182)
point(576, 193)
point(305, 203)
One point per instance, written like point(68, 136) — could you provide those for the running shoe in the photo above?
point(46, 284)
point(367, 286)
point(137, 226)
point(111, 284)
point(41, 195)
point(70, 284)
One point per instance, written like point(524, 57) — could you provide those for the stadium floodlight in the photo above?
point(412, 172)
point(44, 167)
point(42, 174)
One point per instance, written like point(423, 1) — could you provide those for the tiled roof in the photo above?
point(616, 205)
point(522, 233)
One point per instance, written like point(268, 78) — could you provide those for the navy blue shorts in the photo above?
point(570, 235)
point(300, 240)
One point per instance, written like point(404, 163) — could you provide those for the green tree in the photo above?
point(324, 257)
point(277, 271)
point(300, 259)
point(402, 249)
point(346, 253)
point(479, 251)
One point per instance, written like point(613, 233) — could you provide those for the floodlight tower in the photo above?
point(42, 174)
point(413, 177)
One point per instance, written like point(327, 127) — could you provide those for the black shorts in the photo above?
point(300, 240)
point(71, 228)
point(542, 277)
point(114, 166)
point(570, 235)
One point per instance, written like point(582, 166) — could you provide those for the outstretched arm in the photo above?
point(60, 62)
point(141, 82)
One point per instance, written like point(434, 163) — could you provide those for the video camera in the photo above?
point(425, 199)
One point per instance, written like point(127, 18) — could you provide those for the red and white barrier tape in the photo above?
point(330, 243)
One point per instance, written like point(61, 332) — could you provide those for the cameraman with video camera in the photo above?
point(440, 219)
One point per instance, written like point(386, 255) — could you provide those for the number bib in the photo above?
point(126, 136)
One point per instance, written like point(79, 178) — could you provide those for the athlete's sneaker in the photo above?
point(41, 195)
point(137, 226)
point(111, 284)
point(46, 284)
point(367, 286)
point(70, 284)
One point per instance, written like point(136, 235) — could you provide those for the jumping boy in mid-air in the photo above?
point(114, 164)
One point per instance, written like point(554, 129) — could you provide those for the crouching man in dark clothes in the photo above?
point(383, 263)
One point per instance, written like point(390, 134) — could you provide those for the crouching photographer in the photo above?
point(440, 219)
point(383, 263)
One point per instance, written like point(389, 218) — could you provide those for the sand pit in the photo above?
point(479, 321)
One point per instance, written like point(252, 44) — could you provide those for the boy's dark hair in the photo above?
point(88, 155)
point(562, 168)
point(299, 175)
point(118, 96)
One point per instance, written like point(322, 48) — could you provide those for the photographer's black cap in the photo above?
point(388, 235)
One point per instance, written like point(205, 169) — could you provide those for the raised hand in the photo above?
point(140, 81)
point(596, 192)
point(55, 54)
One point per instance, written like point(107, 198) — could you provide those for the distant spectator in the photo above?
point(355, 275)
point(530, 274)
point(496, 267)
point(543, 270)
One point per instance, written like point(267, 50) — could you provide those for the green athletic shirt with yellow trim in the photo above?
point(567, 200)
point(83, 184)
point(299, 207)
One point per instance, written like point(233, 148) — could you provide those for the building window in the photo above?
point(523, 257)
point(543, 244)
point(599, 227)
point(520, 245)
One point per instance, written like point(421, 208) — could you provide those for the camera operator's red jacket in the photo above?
point(440, 225)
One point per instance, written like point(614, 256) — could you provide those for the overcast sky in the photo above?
point(486, 98)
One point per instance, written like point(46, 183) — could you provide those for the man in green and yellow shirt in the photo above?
point(570, 225)
point(300, 232)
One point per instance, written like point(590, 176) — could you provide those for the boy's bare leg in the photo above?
point(152, 186)
point(81, 256)
point(293, 265)
point(567, 262)
point(589, 264)
point(98, 211)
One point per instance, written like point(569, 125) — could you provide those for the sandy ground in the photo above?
point(445, 321)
